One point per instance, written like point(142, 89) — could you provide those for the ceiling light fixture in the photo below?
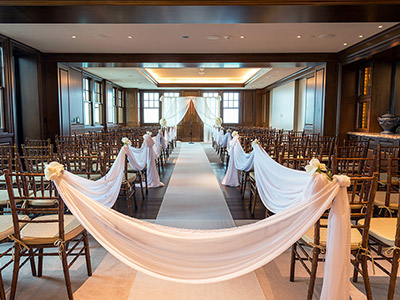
point(344, 44)
point(242, 36)
point(213, 37)
point(360, 36)
point(129, 36)
point(380, 26)
point(74, 36)
point(299, 36)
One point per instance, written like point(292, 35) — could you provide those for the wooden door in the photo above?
point(197, 127)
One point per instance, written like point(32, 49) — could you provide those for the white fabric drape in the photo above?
point(204, 256)
point(208, 109)
point(143, 157)
point(240, 160)
point(174, 109)
point(278, 188)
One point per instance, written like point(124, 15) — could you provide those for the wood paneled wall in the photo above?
point(321, 84)
point(381, 64)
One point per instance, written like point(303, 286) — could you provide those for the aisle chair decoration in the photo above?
point(191, 256)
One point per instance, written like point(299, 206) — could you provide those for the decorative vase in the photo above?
point(388, 122)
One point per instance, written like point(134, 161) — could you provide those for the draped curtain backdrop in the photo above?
point(208, 109)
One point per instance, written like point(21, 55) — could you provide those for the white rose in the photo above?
point(163, 122)
point(235, 133)
point(126, 141)
point(53, 170)
point(314, 165)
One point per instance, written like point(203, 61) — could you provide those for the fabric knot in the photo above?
point(17, 241)
point(60, 244)
point(53, 170)
point(343, 180)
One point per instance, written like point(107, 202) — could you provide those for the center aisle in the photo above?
point(194, 200)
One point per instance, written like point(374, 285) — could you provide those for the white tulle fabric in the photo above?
point(206, 256)
point(279, 189)
point(241, 161)
point(208, 109)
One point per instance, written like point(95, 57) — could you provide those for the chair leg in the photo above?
point(66, 274)
point(293, 262)
point(127, 194)
point(17, 257)
point(32, 262)
point(2, 292)
point(393, 274)
point(314, 266)
point(355, 272)
point(40, 262)
point(367, 283)
point(134, 196)
point(253, 209)
point(87, 253)
point(141, 184)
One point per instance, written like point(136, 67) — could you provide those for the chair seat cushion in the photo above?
point(356, 237)
point(47, 233)
point(380, 200)
point(7, 226)
point(383, 229)
point(131, 177)
point(4, 199)
point(92, 176)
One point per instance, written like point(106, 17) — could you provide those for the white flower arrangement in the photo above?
point(235, 133)
point(218, 122)
point(315, 166)
point(255, 142)
point(163, 122)
point(53, 170)
point(126, 141)
point(149, 133)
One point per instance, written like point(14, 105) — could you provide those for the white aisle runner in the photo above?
point(194, 200)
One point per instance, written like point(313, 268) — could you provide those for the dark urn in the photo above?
point(388, 122)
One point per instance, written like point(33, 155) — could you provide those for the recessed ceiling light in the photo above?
point(380, 26)
point(227, 37)
point(242, 36)
point(344, 44)
point(129, 36)
point(185, 36)
point(360, 36)
point(74, 36)
point(213, 37)
point(326, 36)
point(299, 36)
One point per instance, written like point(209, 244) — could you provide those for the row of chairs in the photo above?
point(373, 197)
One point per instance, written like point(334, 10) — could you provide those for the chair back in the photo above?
point(24, 188)
point(354, 166)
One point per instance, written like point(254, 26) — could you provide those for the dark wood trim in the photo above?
point(378, 43)
point(200, 12)
point(191, 2)
point(137, 59)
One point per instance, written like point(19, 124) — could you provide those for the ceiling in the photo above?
point(192, 38)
